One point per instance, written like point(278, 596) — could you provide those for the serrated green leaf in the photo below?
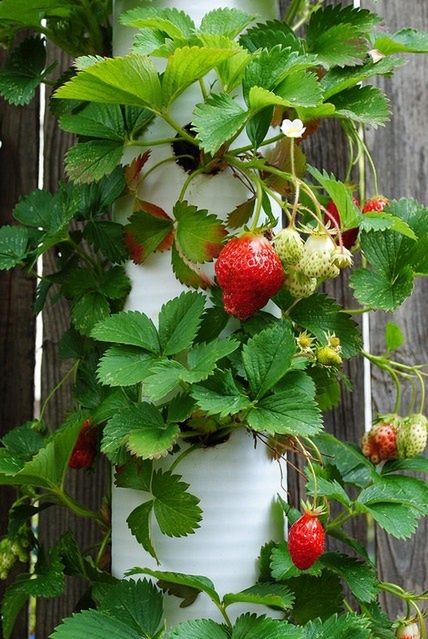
point(198, 629)
point(259, 98)
point(241, 215)
point(415, 215)
point(124, 366)
point(330, 489)
point(394, 337)
point(320, 314)
point(129, 327)
point(300, 89)
point(348, 626)
point(130, 80)
point(366, 105)
point(30, 14)
point(179, 321)
point(360, 577)
point(137, 603)
point(203, 358)
point(93, 624)
point(217, 121)
point(197, 582)
point(25, 440)
point(341, 196)
point(288, 412)
point(139, 525)
point(23, 71)
point(316, 597)
point(89, 309)
point(347, 458)
point(404, 41)
point(136, 474)
point(397, 520)
point(282, 567)
point(252, 627)
point(199, 233)
point(107, 238)
point(188, 64)
point(96, 121)
point(418, 464)
point(389, 280)
point(226, 22)
point(177, 511)
point(189, 274)
point(152, 442)
point(338, 79)
point(90, 161)
point(13, 246)
point(382, 221)
point(400, 489)
point(267, 357)
point(114, 283)
point(220, 395)
point(265, 594)
point(269, 35)
point(175, 23)
point(148, 229)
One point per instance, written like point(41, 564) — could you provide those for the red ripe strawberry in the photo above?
point(408, 631)
point(306, 540)
point(249, 272)
point(85, 449)
point(348, 237)
point(380, 443)
point(376, 204)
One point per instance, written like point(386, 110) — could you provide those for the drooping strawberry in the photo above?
point(376, 204)
point(318, 258)
point(350, 236)
point(380, 443)
point(85, 448)
point(249, 273)
point(306, 540)
point(408, 630)
point(412, 436)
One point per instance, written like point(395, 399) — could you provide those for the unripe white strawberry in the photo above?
point(289, 246)
point(317, 260)
point(342, 258)
point(298, 284)
point(408, 631)
point(412, 436)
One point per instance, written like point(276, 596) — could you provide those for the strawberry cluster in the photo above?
point(394, 437)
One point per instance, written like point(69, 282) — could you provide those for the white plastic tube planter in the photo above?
point(236, 481)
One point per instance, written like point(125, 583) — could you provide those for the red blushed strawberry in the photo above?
point(408, 630)
point(306, 540)
point(381, 442)
point(249, 273)
point(348, 237)
point(86, 447)
point(376, 204)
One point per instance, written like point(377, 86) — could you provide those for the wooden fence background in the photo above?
point(401, 155)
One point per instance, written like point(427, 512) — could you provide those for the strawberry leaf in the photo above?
point(188, 64)
point(252, 627)
point(265, 594)
point(241, 215)
point(187, 273)
point(217, 121)
point(225, 22)
point(270, 34)
point(90, 623)
point(338, 79)
point(124, 366)
point(23, 71)
point(348, 626)
point(13, 246)
point(139, 523)
point(196, 582)
point(130, 80)
point(149, 230)
point(90, 161)
point(199, 233)
point(175, 23)
point(404, 41)
point(367, 105)
point(87, 310)
point(177, 512)
point(359, 576)
point(129, 327)
point(287, 412)
point(179, 321)
point(220, 395)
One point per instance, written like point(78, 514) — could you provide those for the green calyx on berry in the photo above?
point(249, 272)
point(289, 246)
point(412, 436)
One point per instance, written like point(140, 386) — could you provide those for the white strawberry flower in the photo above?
point(293, 128)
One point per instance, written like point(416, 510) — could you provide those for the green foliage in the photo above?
point(217, 120)
point(23, 71)
point(13, 246)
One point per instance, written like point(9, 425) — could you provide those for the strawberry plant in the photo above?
point(255, 344)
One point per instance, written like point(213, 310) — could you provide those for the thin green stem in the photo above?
point(149, 143)
point(340, 520)
point(422, 383)
point(78, 509)
point(182, 456)
point(204, 90)
point(357, 311)
point(103, 545)
point(250, 147)
point(170, 120)
point(173, 158)
point(259, 204)
point(189, 180)
point(57, 387)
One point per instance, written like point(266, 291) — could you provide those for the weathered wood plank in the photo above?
point(88, 488)
point(19, 131)
point(401, 156)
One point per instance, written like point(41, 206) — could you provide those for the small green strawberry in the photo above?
point(412, 436)
point(289, 246)
point(317, 260)
point(298, 284)
point(328, 356)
